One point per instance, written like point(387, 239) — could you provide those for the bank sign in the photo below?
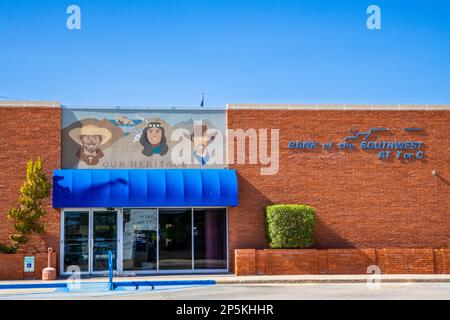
point(385, 149)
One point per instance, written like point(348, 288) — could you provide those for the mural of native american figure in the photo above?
point(153, 139)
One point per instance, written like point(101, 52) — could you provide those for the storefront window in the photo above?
point(139, 239)
point(151, 239)
point(210, 239)
point(175, 234)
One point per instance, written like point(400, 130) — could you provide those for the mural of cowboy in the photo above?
point(201, 138)
point(90, 138)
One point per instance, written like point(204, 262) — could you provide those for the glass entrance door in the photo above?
point(76, 241)
point(87, 236)
point(104, 239)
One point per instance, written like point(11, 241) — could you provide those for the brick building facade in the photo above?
point(28, 133)
point(361, 200)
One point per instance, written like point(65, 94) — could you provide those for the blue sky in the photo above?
point(166, 52)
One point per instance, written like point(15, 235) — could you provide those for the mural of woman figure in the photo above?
point(153, 139)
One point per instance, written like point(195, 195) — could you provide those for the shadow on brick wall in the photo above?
point(326, 238)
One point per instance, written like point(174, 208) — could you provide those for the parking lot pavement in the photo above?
point(313, 291)
point(347, 291)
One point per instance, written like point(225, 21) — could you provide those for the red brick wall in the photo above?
point(246, 261)
point(341, 261)
point(361, 202)
point(288, 262)
point(349, 261)
point(12, 266)
point(27, 133)
point(441, 260)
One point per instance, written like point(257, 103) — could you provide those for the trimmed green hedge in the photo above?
point(290, 225)
point(7, 249)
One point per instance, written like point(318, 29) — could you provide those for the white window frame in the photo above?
point(119, 254)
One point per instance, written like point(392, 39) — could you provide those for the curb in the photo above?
point(216, 281)
point(308, 281)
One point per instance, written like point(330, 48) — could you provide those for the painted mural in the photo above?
point(142, 138)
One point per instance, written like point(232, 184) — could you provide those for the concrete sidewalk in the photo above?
point(232, 279)
point(397, 278)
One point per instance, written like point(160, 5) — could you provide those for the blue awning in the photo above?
point(83, 188)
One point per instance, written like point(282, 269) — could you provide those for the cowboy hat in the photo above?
point(90, 130)
point(202, 131)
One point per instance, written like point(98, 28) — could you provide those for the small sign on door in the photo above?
point(28, 264)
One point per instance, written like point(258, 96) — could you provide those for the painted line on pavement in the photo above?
point(116, 284)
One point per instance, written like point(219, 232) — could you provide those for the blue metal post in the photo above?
point(110, 268)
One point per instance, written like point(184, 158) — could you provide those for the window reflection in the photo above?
point(139, 239)
point(188, 238)
point(175, 245)
point(210, 239)
point(105, 239)
point(76, 235)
